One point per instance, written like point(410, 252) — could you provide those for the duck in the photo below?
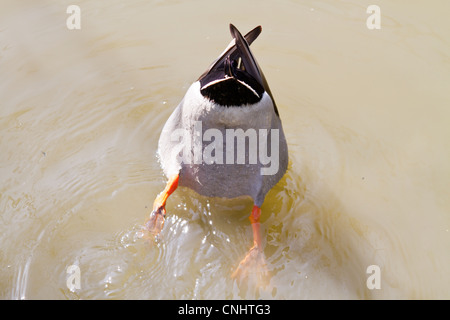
point(225, 139)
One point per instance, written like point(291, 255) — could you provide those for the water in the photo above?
point(365, 113)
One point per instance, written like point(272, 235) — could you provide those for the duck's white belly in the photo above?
point(221, 151)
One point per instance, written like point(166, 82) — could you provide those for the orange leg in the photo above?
point(254, 219)
point(155, 222)
point(254, 262)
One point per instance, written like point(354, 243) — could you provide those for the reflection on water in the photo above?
point(365, 113)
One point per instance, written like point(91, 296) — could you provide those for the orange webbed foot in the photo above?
point(254, 264)
point(155, 222)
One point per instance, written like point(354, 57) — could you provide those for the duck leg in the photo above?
point(155, 222)
point(254, 262)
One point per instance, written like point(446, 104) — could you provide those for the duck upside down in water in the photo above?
point(203, 143)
